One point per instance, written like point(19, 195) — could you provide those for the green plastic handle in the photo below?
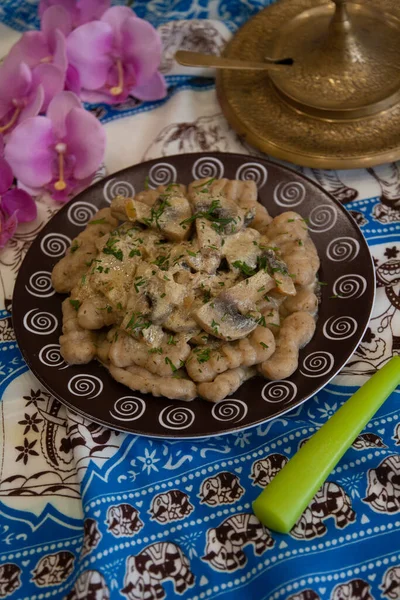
point(283, 501)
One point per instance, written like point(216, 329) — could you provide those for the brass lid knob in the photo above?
point(347, 60)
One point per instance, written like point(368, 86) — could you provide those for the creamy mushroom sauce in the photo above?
point(184, 292)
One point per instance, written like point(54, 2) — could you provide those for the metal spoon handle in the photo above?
point(196, 59)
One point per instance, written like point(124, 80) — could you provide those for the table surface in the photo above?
point(76, 499)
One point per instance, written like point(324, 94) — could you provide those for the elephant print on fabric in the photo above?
point(264, 470)
point(356, 589)
point(383, 492)
point(157, 563)
point(170, 506)
point(53, 569)
point(304, 595)
point(10, 579)
point(330, 501)
point(91, 536)
point(225, 543)
point(123, 520)
point(390, 585)
point(90, 585)
point(368, 440)
point(396, 436)
point(223, 488)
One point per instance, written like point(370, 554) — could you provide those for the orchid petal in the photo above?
point(7, 228)
point(86, 140)
point(60, 50)
point(51, 78)
point(34, 105)
point(92, 9)
point(142, 46)
point(6, 176)
point(1, 145)
point(58, 110)
point(31, 48)
point(154, 89)
point(69, 5)
point(53, 18)
point(72, 80)
point(15, 82)
point(29, 151)
point(21, 201)
point(94, 97)
point(88, 48)
point(116, 17)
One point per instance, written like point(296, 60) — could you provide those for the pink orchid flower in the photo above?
point(79, 11)
point(16, 206)
point(59, 152)
point(45, 53)
point(117, 56)
point(21, 96)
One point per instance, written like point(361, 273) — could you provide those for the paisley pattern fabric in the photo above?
point(89, 513)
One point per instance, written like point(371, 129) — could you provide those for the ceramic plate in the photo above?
point(346, 268)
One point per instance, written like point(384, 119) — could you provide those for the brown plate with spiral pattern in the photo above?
point(346, 304)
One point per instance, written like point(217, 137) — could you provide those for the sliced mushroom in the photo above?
point(222, 319)
point(242, 246)
point(247, 293)
point(279, 271)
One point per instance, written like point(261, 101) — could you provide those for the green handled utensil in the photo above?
point(282, 502)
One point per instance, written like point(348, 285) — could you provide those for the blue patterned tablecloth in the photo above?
point(89, 513)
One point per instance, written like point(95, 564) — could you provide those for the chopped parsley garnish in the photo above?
point(98, 221)
point(261, 289)
point(137, 322)
point(191, 253)
point(108, 308)
point(169, 362)
point(155, 351)
point(75, 303)
point(204, 184)
point(214, 326)
point(261, 321)
point(134, 252)
point(171, 341)
point(147, 183)
point(291, 220)
point(157, 211)
point(83, 280)
point(221, 283)
point(138, 283)
point(119, 306)
point(300, 243)
point(206, 295)
point(322, 283)
point(109, 248)
point(211, 214)
point(244, 267)
point(163, 295)
point(162, 261)
point(203, 355)
point(74, 247)
point(267, 298)
point(264, 345)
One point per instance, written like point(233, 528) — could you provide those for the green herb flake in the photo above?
point(75, 304)
point(261, 321)
point(163, 295)
point(243, 267)
point(202, 355)
point(300, 243)
point(147, 183)
point(155, 351)
point(139, 282)
point(98, 221)
point(261, 289)
point(119, 306)
point(169, 362)
point(171, 341)
point(322, 283)
point(264, 345)
point(191, 253)
point(74, 247)
point(134, 252)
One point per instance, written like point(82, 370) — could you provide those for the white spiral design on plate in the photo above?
point(85, 385)
point(162, 174)
point(128, 408)
point(39, 284)
point(322, 218)
point(317, 364)
point(343, 248)
point(279, 391)
point(39, 322)
point(115, 187)
point(80, 213)
point(51, 357)
point(252, 171)
point(230, 409)
point(55, 244)
point(340, 328)
point(176, 417)
point(289, 194)
point(350, 286)
point(208, 167)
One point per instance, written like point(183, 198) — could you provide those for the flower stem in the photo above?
point(118, 89)
point(11, 121)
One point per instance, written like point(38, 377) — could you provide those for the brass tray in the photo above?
point(258, 112)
